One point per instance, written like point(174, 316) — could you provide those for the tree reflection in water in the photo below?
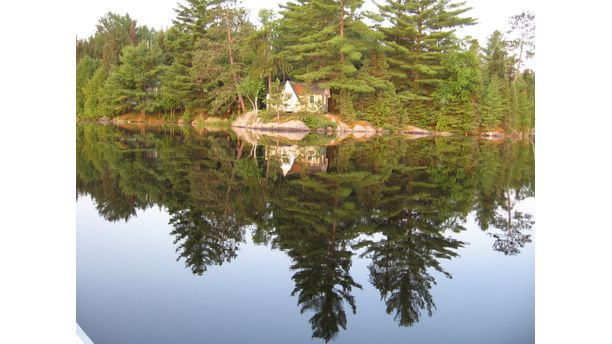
point(319, 204)
point(513, 226)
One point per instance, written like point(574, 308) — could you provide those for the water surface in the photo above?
point(213, 237)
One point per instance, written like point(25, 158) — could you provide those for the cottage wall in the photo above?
point(309, 102)
point(293, 103)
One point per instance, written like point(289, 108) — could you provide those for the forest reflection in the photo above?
point(392, 200)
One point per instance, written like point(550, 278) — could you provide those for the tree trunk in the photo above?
point(231, 59)
point(341, 26)
point(520, 60)
point(270, 83)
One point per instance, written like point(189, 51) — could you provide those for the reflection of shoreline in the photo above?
point(254, 136)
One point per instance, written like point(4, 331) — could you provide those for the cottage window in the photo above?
point(311, 99)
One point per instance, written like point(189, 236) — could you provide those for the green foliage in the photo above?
point(312, 120)
point(276, 98)
point(250, 87)
point(498, 63)
point(421, 32)
point(113, 33)
point(492, 108)
point(457, 96)
point(401, 66)
point(217, 63)
point(326, 42)
point(462, 78)
point(383, 105)
point(526, 101)
point(95, 104)
point(86, 68)
point(315, 121)
point(135, 84)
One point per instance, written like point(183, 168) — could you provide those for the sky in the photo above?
point(491, 15)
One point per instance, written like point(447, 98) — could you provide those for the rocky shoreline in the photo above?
point(250, 121)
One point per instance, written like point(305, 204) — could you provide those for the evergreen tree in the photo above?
point(217, 63)
point(261, 52)
point(85, 70)
point(382, 106)
point(492, 108)
point(523, 27)
point(326, 41)
point(113, 33)
point(500, 102)
point(420, 32)
point(525, 89)
point(183, 91)
point(193, 19)
point(407, 67)
point(135, 84)
point(95, 103)
point(458, 93)
point(176, 88)
point(496, 57)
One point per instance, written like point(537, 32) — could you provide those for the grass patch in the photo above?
point(316, 121)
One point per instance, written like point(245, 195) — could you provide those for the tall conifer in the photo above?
point(420, 32)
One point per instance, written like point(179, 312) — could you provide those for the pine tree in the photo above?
point(93, 92)
point(500, 98)
point(420, 33)
point(217, 63)
point(113, 33)
point(326, 42)
point(459, 92)
point(176, 88)
point(383, 105)
point(261, 51)
point(193, 19)
point(523, 27)
point(496, 57)
point(84, 71)
point(180, 87)
point(135, 84)
point(492, 107)
point(525, 85)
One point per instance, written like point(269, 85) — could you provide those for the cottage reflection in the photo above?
point(298, 159)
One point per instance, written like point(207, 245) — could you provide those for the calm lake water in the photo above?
point(188, 236)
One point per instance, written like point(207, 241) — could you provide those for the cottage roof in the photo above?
point(301, 87)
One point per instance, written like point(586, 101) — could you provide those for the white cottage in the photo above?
point(300, 96)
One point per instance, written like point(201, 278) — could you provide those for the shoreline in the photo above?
point(248, 122)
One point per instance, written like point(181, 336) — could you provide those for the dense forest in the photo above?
point(218, 190)
point(400, 65)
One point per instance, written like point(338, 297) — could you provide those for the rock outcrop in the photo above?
point(251, 121)
point(414, 130)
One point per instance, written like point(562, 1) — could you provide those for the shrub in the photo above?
point(314, 121)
